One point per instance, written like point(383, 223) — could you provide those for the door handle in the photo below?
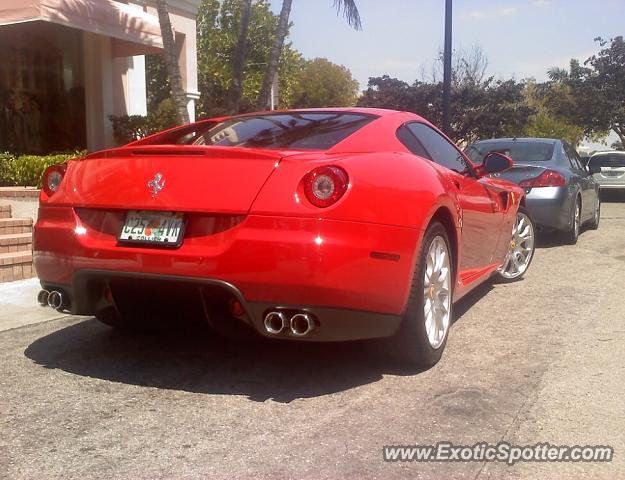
point(457, 184)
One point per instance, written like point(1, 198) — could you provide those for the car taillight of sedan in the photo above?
point(549, 178)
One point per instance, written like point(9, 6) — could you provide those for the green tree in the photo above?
point(545, 125)
point(591, 95)
point(157, 82)
point(606, 79)
point(240, 51)
point(218, 27)
point(322, 83)
point(492, 108)
point(352, 15)
point(422, 98)
point(551, 102)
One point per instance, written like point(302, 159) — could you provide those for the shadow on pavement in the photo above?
point(549, 239)
point(192, 359)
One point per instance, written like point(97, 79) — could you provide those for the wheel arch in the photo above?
point(444, 216)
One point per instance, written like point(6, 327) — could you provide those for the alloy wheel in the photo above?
point(437, 292)
point(577, 218)
point(521, 248)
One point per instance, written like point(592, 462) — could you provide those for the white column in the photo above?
point(137, 94)
point(98, 90)
point(191, 99)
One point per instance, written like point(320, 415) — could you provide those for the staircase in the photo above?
point(16, 246)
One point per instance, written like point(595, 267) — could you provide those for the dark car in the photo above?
point(561, 192)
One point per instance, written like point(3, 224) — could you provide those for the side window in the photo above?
point(439, 149)
point(576, 163)
point(411, 143)
point(578, 160)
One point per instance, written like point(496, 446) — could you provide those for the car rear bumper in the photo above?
point(351, 275)
point(210, 300)
point(550, 207)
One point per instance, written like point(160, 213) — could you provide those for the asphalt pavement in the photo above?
point(540, 360)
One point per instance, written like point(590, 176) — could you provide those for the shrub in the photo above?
point(27, 170)
point(128, 128)
point(6, 169)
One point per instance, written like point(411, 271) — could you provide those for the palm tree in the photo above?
point(239, 56)
point(557, 74)
point(350, 10)
point(171, 61)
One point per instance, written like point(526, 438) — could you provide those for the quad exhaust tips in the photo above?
point(298, 325)
point(54, 299)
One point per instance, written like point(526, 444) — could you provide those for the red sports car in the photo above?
point(324, 225)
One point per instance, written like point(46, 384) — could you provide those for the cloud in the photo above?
point(541, 3)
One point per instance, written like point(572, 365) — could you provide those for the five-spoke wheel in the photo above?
point(521, 248)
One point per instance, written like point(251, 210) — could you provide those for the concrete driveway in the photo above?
point(541, 360)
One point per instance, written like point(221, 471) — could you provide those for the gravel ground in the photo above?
point(539, 360)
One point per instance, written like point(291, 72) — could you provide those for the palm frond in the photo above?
point(350, 11)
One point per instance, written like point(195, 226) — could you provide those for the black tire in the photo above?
point(410, 344)
point(499, 277)
point(570, 237)
point(594, 223)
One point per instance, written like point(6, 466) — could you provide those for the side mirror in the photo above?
point(495, 162)
point(594, 168)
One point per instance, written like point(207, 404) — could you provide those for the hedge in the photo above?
point(27, 170)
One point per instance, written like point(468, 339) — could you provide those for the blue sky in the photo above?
point(520, 38)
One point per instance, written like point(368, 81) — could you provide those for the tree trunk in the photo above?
point(171, 61)
point(274, 56)
point(621, 136)
point(239, 57)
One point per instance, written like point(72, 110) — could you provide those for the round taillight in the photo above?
point(324, 186)
point(53, 177)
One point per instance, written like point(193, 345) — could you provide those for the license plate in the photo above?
point(156, 228)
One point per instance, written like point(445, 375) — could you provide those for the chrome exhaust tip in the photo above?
point(56, 300)
point(275, 322)
point(42, 297)
point(302, 324)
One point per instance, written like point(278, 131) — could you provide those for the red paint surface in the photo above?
point(249, 222)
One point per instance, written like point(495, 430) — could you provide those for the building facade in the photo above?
point(67, 65)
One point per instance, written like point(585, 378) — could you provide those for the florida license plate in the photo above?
point(156, 228)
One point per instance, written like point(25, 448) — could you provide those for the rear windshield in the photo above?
point(520, 152)
point(609, 160)
point(314, 131)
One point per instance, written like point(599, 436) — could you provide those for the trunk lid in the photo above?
point(180, 178)
point(520, 172)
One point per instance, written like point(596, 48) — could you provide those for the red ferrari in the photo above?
point(323, 225)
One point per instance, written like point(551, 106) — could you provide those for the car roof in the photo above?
point(380, 112)
point(609, 152)
point(520, 140)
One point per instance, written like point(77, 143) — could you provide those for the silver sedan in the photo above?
point(561, 192)
point(611, 165)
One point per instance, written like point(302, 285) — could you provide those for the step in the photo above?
point(16, 266)
point(19, 192)
point(16, 242)
point(5, 210)
point(15, 225)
